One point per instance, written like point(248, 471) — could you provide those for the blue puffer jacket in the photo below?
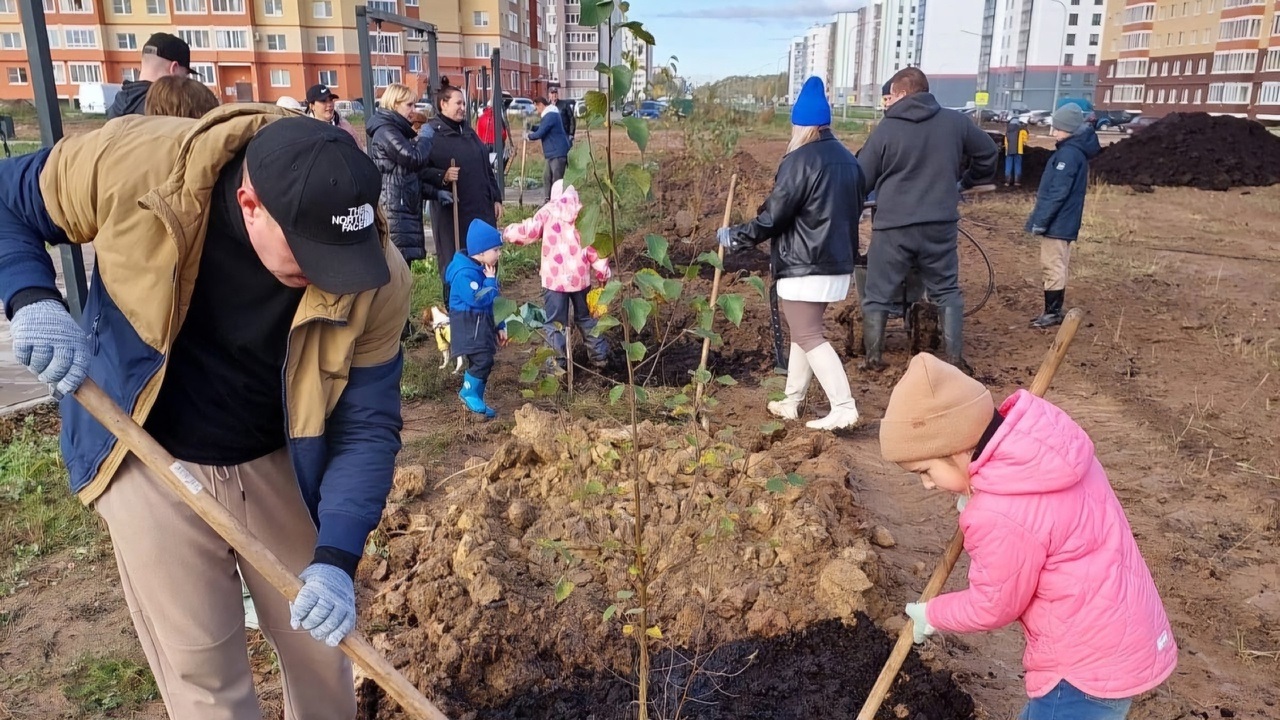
point(1060, 199)
point(555, 142)
point(471, 296)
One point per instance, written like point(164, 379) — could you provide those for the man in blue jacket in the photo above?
point(555, 142)
point(246, 309)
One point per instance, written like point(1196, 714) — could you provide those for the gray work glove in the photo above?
point(444, 197)
point(52, 345)
point(921, 628)
point(725, 236)
point(326, 604)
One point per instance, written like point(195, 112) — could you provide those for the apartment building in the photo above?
point(637, 54)
point(856, 51)
point(262, 50)
point(574, 51)
point(1216, 56)
point(950, 38)
point(796, 66)
point(811, 55)
point(1034, 50)
point(899, 36)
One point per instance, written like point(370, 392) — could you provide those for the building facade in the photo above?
point(796, 66)
point(574, 51)
point(950, 39)
point(899, 36)
point(262, 50)
point(1033, 50)
point(1216, 56)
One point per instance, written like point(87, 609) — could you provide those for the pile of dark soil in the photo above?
point(825, 671)
point(1034, 160)
point(1194, 150)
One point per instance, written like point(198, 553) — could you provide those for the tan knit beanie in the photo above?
point(935, 411)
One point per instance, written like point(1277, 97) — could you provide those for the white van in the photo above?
point(95, 98)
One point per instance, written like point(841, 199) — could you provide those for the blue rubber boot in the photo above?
point(472, 394)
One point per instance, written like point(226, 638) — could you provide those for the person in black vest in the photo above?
point(567, 116)
point(163, 55)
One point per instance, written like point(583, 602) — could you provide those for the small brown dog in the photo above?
point(438, 321)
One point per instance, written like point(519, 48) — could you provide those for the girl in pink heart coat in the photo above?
point(567, 269)
point(1048, 542)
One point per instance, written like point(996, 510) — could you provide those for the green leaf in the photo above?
point(637, 127)
point(563, 589)
point(671, 290)
point(714, 337)
point(642, 395)
point(603, 243)
point(621, 76)
point(579, 158)
point(634, 177)
point(654, 632)
point(611, 290)
point(609, 612)
point(588, 223)
point(637, 311)
point(678, 400)
point(634, 611)
point(625, 594)
point(795, 480)
point(603, 68)
point(771, 427)
point(758, 283)
point(702, 375)
point(530, 371)
point(733, 306)
point(596, 101)
point(604, 325)
point(650, 284)
point(548, 386)
point(616, 394)
point(518, 332)
point(635, 351)
point(712, 259)
point(776, 485)
point(504, 308)
point(658, 250)
point(595, 12)
point(726, 381)
point(638, 32)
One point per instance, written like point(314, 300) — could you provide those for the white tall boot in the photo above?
point(835, 383)
point(798, 376)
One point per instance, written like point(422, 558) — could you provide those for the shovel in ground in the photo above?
point(1039, 385)
point(185, 485)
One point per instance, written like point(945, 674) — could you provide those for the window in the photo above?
point(1239, 29)
point(1160, 97)
point(1106, 97)
point(1177, 67)
point(322, 9)
point(11, 41)
point(482, 50)
point(1066, 78)
point(1111, 70)
point(325, 44)
point(122, 7)
point(189, 7)
point(1186, 96)
point(273, 8)
point(384, 76)
point(1071, 38)
point(513, 24)
point(208, 74)
point(1275, 25)
point(588, 38)
point(1235, 61)
point(1230, 93)
point(571, 18)
point(1128, 93)
point(388, 6)
point(411, 3)
point(1093, 40)
point(232, 39)
point(197, 39)
point(276, 43)
point(1151, 96)
point(126, 41)
point(55, 38)
point(17, 76)
point(590, 56)
point(80, 7)
point(1164, 69)
point(329, 77)
point(280, 78)
point(480, 18)
point(1091, 59)
point(1139, 13)
point(129, 75)
point(82, 73)
point(1199, 95)
point(1073, 19)
point(1203, 67)
point(50, 6)
point(384, 43)
point(1069, 59)
point(1269, 93)
point(8, 7)
point(1272, 61)
point(225, 7)
point(82, 38)
point(59, 74)
point(1241, 3)
point(1140, 40)
point(157, 7)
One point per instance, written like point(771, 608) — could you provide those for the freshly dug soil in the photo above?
point(1034, 160)
point(824, 671)
point(1194, 150)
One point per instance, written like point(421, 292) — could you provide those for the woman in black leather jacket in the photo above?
point(401, 155)
point(811, 219)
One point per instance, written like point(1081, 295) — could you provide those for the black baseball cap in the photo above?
point(322, 190)
point(320, 93)
point(171, 48)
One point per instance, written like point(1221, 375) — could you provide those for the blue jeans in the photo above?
point(1013, 168)
point(1065, 702)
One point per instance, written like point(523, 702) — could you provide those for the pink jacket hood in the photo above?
point(1050, 547)
point(566, 265)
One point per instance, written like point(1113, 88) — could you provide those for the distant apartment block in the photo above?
point(1030, 47)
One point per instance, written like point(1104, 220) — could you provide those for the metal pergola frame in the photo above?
point(363, 16)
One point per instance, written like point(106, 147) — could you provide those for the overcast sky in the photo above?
point(717, 38)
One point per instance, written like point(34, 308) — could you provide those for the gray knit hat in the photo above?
point(1068, 118)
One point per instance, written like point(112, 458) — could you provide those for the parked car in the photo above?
point(346, 108)
point(1035, 117)
point(650, 110)
point(1138, 124)
point(984, 115)
point(1112, 119)
point(522, 106)
point(628, 109)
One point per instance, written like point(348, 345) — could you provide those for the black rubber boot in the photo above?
point(873, 339)
point(953, 336)
point(1052, 316)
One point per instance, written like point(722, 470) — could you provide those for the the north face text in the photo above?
point(357, 218)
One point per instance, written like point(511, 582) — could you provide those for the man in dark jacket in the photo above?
point(555, 143)
point(912, 160)
point(164, 54)
point(567, 115)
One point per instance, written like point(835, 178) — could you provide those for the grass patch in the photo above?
point(98, 684)
point(23, 147)
point(519, 261)
point(426, 287)
point(423, 379)
point(38, 514)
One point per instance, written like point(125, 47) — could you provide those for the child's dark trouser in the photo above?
point(558, 307)
point(480, 365)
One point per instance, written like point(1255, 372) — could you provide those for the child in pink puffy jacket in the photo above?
point(1048, 542)
point(567, 270)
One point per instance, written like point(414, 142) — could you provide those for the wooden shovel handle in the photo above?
point(1049, 366)
point(186, 486)
point(715, 282)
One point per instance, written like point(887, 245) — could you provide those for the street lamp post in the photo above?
point(1062, 40)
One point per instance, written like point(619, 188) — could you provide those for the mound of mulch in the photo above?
point(1193, 150)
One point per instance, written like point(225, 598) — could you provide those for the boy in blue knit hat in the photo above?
point(472, 278)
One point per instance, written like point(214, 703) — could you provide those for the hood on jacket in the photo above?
point(1038, 449)
point(459, 265)
point(385, 118)
point(1085, 140)
point(568, 205)
point(917, 107)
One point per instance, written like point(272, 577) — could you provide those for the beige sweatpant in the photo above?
point(182, 585)
point(1055, 260)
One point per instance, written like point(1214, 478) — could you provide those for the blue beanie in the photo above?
point(482, 236)
point(811, 108)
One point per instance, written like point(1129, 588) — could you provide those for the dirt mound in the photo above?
point(466, 594)
point(1194, 150)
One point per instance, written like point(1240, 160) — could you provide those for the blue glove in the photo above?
point(921, 627)
point(326, 604)
point(1038, 230)
point(725, 237)
point(444, 197)
point(52, 345)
